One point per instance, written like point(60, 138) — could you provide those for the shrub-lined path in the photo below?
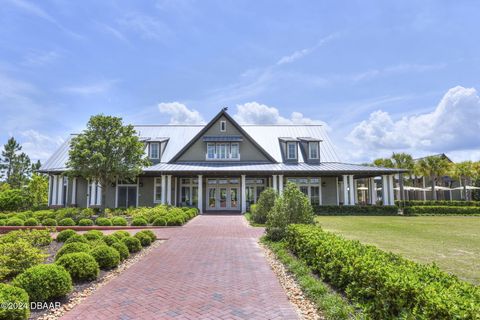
point(212, 268)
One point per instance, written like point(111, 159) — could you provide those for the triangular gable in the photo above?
point(212, 122)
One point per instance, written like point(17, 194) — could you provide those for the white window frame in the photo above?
point(150, 150)
point(288, 150)
point(155, 185)
point(238, 150)
point(211, 144)
point(223, 126)
point(310, 144)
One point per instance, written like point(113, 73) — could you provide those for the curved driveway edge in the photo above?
point(212, 268)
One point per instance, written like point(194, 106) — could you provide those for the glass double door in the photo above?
point(223, 198)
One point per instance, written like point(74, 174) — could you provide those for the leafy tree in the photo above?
point(465, 172)
point(16, 166)
point(106, 151)
point(433, 167)
point(37, 191)
point(383, 162)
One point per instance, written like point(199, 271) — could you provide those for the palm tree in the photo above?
point(465, 172)
point(433, 167)
point(405, 161)
point(383, 162)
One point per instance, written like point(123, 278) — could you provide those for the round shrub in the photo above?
point(31, 222)
point(44, 282)
point(121, 234)
point(14, 222)
point(122, 249)
point(76, 238)
point(175, 220)
point(107, 257)
point(16, 296)
point(71, 248)
point(80, 265)
point(149, 233)
point(49, 222)
point(139, 222)
point(160, 221)
point(93, 235)
point(2, 222)
point(155, 217)
point(145, 240)
point(110, 239)
point(119, 221)
point(95, 243)
point(133, 244)
point(63, 236)
point(85, 222)
point(103, 222)
point(66, 222)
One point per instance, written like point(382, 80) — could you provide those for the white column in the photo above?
point(50, 186)
point(336, 191)
point(352, 190)
point(244, 194)
point(99, 194)
point(373, 191)
point(200, 194)
point(169, 189)
point(355, 192)
point(74, 191)
point(423, 186)
point(390, 189)
point(280, 183)
point(60, 191)
point(385, 190)
point(54, 190)
point(164, 189)
point(274, 182)
point(93, 188)
point(346, 197)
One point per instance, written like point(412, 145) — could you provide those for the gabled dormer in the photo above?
point(289, 148)
point(310, 148)
point(154, 147)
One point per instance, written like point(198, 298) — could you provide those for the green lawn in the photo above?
point(452, 242)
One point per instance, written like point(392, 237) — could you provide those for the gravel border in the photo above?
point(305, 308)
point(76, 298)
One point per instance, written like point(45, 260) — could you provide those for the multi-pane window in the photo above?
point(292, 150)
point(310, 187)
point(313, 150)
point(189, 192)
point(158, 190)
point(154, 150)
point(223, 151)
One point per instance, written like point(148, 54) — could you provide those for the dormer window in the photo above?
point(291, 150)
point(223, 151)
point(223, 126)
point(154, 150)
point(313, 150)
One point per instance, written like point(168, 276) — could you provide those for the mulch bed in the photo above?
point(83, 290)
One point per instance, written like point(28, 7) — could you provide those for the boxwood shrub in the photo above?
point(44, 282)
point(160, 222)
point(122, 249)
point(107, 257)
point(93, 235)
point(356, 210)
point(50, 222)
point(63, 235)
point(31, 222)
point(121, 234)
point(119, 221)
point(17, 256)
point(80, 265)
point(2, 222)
point(85, 222)
point(442, 210)
point(132, 243)
point(149, 233)
point(36, 238)
point(145, 240)
point(66, 222)
point(71, 248)
point(385, 285)
point(105, 222)
point(14, 222)
point(110, 239)
point(16, 297)
point(139, 222)
point(76, 238)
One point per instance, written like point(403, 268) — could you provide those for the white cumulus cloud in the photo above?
point(180, 114)
point(452, 126)
point(38, 146)
point(257, 113)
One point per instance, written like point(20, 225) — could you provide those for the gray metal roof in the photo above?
point(220, 167)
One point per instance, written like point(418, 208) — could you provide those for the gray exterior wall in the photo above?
point(82, 191)
point(198, 150)
point(145, 194)
point(329, 191)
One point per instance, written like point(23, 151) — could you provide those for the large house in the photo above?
point(224, 166)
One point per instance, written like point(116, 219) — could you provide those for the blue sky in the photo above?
point(383, 75)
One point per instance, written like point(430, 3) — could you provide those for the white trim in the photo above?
point(74, 191)
point(244, 193)
point(55, 190)
point(164, 190)
point(274, 182)
point(390, 189)
point(169, 189)
point(288, 150)
point(150, 150)
point(50, 186)
point(351, 188)
point(280, 183)
point(310, 144)
point(223, 126)
point(346, 197)
point(155, 185)
point(99, 194)
point(60, 191)
point(200, 194)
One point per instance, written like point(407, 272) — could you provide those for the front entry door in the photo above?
point(127, 196)
point(223, 198)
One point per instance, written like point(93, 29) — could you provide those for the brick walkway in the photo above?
point(210, 269)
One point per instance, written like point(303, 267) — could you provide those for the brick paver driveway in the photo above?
point(210, 269)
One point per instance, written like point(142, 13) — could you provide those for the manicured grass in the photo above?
point(452, 242)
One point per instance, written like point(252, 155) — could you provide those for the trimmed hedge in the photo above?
point(441, 210)
point(104, 222)
point(80, 265)
point(133, 244)
point(71, 248)
point(110, 239)
point(107, 257)
point(85, 222)
point(31, 222)
point(449, 203)
point(16, 297)
point(14, 222)
point(63, 236)
point(356, 210)
point(122, 250)
point(50, 222)
point(384, 284)
point(44, 282)
point(66, 222)
point(149, 233)
point(139, 222)
point(121, 234)
point(145, 240)
point(93, 235)
point(76, 238)
point(119, 221)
